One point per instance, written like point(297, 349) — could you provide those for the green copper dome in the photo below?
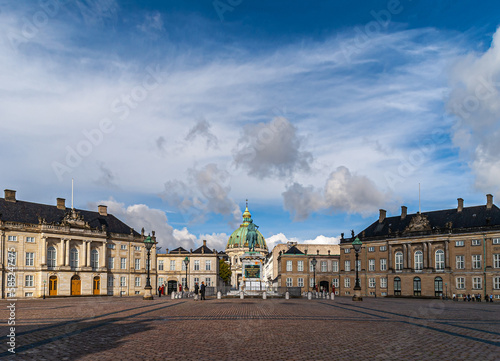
point(239, 237)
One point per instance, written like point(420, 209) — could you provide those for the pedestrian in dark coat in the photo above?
point(159, 291)
point(202, 291)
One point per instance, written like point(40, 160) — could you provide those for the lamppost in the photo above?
point(148, 243)
point(314, 262)
point(186, 263)
point(44, 288)
point(357, 287)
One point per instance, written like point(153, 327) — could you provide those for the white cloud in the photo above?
point(475, 100)
point(280, 238)
point(343, 192)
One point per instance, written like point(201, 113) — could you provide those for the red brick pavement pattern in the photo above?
point(130, 328)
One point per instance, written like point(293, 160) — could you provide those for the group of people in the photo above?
point(197, 289)
point(474, 298)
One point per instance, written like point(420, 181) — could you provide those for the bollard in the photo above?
point(287, 295)
point(219, 295)
point(172, 295)
point(333, 296)
point(264, 296)
point(309, 296)
point(327, 296)
point(242, 296)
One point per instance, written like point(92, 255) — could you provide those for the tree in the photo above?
point(224, 271)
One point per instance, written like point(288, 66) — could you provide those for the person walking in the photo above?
point(159, 291)
point(202, 291)
point(196, 290)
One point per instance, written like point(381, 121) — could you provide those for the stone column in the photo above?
point(66, 252)
point(408, 248)
point(429, 255)
point(102, 255)
point(447, 254)
point(87, 259)
point(389, 256)
point(43, 251)
point(60, 253)
point(405, 256)
point(424, 255)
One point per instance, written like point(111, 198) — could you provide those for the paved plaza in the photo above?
point(129, 328)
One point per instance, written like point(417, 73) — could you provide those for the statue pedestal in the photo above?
point(252, 282)
point(357, 295)
point(147, 294)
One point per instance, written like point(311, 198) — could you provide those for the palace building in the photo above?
point(180, 267)
point(428, 254)
point(237, 245)
point(59, 251)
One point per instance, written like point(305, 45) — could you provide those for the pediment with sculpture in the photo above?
point(418, 223)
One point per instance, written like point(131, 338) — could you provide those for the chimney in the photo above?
point(460, 205)
point(103, 210)
point(489, 201)
point(328, 252)
point(204, 243)
point(381, 217)
point(61, 203)
point(404, 212)
point(10, 195)
point(317, 252)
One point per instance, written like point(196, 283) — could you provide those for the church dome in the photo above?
point(238, 238)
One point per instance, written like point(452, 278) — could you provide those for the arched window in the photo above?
point(397, 286)
point(417, 286)
point(51, 256)
point(73, 258)
point(439, 259)
point(419, 260)
point(399, 261)
point(94, 259)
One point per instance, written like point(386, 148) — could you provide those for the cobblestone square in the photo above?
point(129, 328)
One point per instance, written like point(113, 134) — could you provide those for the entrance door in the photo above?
point(324, 286)
point(97, 286)
point(171, 287)
point(438, 287)
point(76, 286)
point(53, 286)
point(417, 286)
point(397, 286)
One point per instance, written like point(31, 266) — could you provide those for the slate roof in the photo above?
point(203, 249)
point(28, 212)
point(176, 251)
point(470, 219)
point(294, 250)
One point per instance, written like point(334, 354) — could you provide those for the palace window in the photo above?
point(371, 249)
point(335, 282)
point(371, 282)
point(496, 283)
point(183, 266)
point(28, 281)
point(197, 281)
point(137, 263)
point(12, 238)
point(476, 242)
point(160, 265)
point(300, 266)
point(123, 247)
point(347, 266)
point(51, 256)
point(123, 263)
point(417, 286)
point(397, 286)
point(172, 265)
point(459, 243)
point(371, 265)
point(196, 265)
point(347, 250)
point(73, 258)
point(383, 248)
point(138, 282)
point(208, 265)
point(399, 261)
point(324, 266)
point(111, 246)
point(111, 281)
point(30, 258)
point(289, 282)
point(477, 283)
point(288, 268)
point(439, 259)
point(300, 282)
point(476, 261)
point(311, 267)
point(496, 260)
point(460, 262)
point(30, 239)
point(137, 248)
point(94, 259)
point(123, 281)
point(208, 281)
point(347, 282)
point(335, 266)
point(311, 282)
point(460, 283)
point(496, 241)
point(383, 283)
point(419, 260)
point(383, 264)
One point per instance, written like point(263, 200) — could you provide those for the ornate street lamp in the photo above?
point(314, 262)
point(186, 263)
point(44, 288)
point(148, 243)
point(357, 287)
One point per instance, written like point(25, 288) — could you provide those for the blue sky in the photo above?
point(173, 113)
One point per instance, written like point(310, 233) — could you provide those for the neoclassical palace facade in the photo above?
point(60, 251)
point(429, 254)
